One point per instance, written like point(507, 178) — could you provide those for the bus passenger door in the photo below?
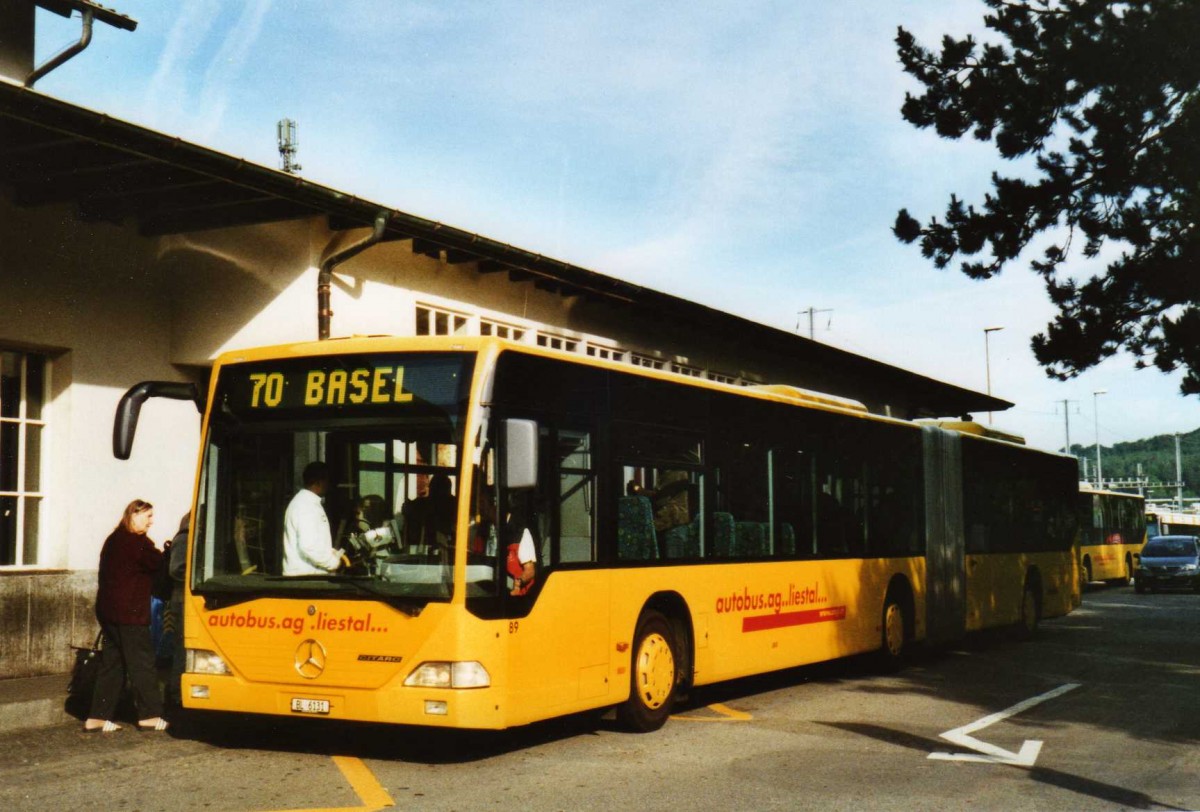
point(945, 560)
point(559, 643)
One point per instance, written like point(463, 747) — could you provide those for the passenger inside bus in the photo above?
point(372, 511)
point(429, 519)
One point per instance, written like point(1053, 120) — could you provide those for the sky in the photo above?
point(748, 155)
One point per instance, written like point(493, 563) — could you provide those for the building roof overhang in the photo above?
point(110, 170)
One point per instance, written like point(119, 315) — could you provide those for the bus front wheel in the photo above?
point(653, 675)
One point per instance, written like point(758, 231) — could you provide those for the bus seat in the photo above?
point(683, 541)
point(723, 534)
point(787, 539)
point(750, 539)
point(635, 529)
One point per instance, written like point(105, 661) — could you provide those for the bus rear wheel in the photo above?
point(653, 675)
point(891, 635)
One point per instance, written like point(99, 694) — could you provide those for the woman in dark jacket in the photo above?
point(128, 563)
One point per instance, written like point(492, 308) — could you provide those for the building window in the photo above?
point(433, 321)
point(22, 436)
point(645, 361)
point(556, 342)
point(607, 353)
point(684, 369)
point(495, 328)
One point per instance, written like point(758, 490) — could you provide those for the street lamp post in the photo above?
point(987, 361)
point(1096, 415)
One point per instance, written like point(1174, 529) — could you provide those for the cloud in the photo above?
point(225, 71)
point(162, 97)
point(201, 65)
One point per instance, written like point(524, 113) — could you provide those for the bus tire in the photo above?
point(1086, 573)
point(1031, 608)
point(653, 675)
point(892, 634)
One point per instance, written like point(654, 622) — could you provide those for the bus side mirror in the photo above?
point(520, 453)
point(125, 422)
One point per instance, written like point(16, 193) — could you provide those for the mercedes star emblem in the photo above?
point(310, 659)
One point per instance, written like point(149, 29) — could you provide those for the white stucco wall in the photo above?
point(92, 298)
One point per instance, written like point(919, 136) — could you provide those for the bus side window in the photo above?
point(573, 529)
point(662, 467)
point(792, 490)
point(743, 493)
point(841, 505)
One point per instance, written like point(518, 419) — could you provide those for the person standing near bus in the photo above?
point(177, 569)
point(129, 562)
point(307, 543)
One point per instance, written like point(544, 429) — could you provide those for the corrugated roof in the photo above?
point(114, 171)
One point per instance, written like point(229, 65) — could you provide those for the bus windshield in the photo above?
point(388, 429)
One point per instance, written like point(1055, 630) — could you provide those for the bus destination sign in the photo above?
point(341, 383)
point(337, 387)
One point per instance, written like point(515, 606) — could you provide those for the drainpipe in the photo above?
point(325, 277)
point(85, 39)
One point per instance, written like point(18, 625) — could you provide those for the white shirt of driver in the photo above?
point(307, 543)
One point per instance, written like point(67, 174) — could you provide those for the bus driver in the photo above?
point(307, 544)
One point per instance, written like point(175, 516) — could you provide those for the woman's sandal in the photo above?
point(157, 723)
point(106, 727)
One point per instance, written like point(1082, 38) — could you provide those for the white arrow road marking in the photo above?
point(990, 753)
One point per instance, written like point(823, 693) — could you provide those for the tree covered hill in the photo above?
point(1156, 455)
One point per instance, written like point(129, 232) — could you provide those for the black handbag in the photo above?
point(83, 679)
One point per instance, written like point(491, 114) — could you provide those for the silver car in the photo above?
point(1169, 562)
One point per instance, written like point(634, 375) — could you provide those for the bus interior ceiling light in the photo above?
point(325, 275)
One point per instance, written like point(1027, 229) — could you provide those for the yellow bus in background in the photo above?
point(1162, 521)
point(685, 531)
point(1112, 530)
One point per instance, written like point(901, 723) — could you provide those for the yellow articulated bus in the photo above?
point(530, 533)
point(1112, 530)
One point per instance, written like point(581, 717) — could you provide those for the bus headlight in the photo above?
point(449, 675)
point(202, 661)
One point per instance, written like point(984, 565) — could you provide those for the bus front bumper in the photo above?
point(476, 708)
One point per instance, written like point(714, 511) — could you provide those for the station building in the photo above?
point(128, 254)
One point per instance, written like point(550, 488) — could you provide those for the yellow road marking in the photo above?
point(727, 714)
point(365, 785)
point(373, 796)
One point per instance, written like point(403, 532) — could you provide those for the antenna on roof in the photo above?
point(812, 312)
point(289, 145)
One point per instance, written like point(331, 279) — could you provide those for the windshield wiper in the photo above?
point(365, 584)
